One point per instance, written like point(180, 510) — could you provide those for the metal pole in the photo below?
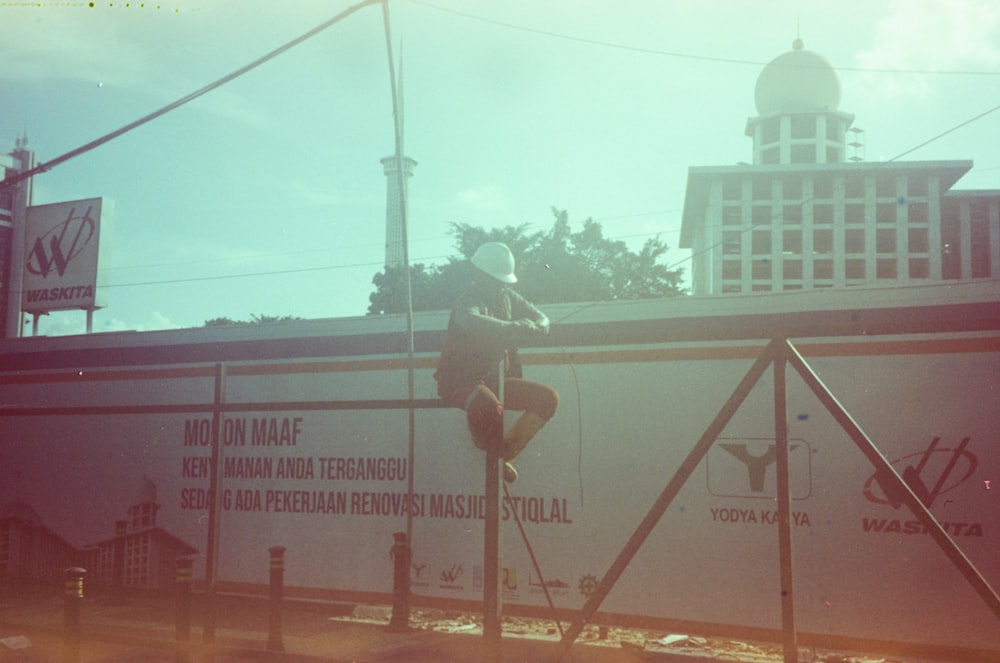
point(19, 218)
point(492, 598)
point(661, 504)
point(404, 231)
point(215, 507)
point(786, 582)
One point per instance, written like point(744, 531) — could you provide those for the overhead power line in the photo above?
point(682, 55)
point(48, 165)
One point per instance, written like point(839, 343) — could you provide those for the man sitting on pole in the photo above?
point(487, 323)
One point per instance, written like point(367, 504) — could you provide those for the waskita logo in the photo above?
point(59, 246)
point(449, 577)
point(931, 474)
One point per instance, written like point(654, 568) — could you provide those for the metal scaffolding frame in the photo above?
point(780, 353)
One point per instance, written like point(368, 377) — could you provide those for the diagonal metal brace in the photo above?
point(894, 485)
point(661, 504)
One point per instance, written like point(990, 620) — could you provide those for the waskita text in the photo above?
point(61, 294)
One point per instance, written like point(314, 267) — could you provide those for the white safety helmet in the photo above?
point(495, 259)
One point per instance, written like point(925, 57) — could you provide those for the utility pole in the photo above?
point(23, 160)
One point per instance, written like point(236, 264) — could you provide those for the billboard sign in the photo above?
point(64, 246)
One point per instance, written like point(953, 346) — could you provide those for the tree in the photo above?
point(553, 266)
point(254, 320)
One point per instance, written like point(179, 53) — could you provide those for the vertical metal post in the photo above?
point(215, 508)
point(73, 595)
point(492, 598)
point(275, 640)
point(397, 130)
point(182, 627)
point(786, 581)
point(400, 554)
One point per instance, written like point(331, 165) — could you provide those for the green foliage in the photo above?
point(254, 320)
point(553, 266)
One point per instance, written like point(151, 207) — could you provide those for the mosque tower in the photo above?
point(806, 215)
point(394, 214)
point(797, 97)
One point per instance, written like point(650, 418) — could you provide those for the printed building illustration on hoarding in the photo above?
point(28, 549)
point(148, 553)
point(810, 213)
point(140, 555)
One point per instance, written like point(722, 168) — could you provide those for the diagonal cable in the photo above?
point(48, 165)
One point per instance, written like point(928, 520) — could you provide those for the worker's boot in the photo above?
point(517, 439)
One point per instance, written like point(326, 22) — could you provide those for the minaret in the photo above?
point(142, 514)
point(393, 213)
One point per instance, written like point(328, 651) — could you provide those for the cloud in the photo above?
point(930, 35)
point(67, 323)
point(483, 198)
point(130, 50)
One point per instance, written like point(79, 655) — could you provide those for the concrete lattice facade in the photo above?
point(805, 215)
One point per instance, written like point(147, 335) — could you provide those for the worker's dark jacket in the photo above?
point(480, 335)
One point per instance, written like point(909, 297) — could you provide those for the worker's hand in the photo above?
point(525, 328)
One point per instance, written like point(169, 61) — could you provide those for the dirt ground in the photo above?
point(636, 640)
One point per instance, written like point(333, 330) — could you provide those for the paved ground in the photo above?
point(141, 628)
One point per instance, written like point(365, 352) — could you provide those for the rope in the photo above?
point(534, 560)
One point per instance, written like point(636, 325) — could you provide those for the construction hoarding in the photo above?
point(314, 429)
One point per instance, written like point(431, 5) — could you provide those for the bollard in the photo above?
point(182, 631)
point(72, 596)
point(118, 563)
point(274, 637)
point(400, 554)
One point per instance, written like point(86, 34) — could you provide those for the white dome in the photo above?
point(796, 81)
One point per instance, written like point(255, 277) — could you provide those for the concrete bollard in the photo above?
point(400, 553)
point(118, 563)
point(72, 596)
point(182, 629)
point(275, 641)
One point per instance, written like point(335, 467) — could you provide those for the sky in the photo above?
point(266, 196)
